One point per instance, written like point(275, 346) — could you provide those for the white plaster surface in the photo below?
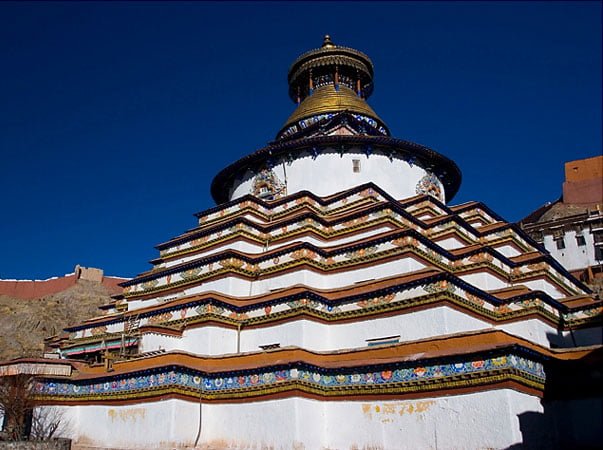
point(450, 243)
point(331, 173)
point(239, 287)
point(489, 419)
point(486, 281)
point(258, 249)
point(573, 256)
point(543, 334)
point(315, 336)
point(545, 286)
point(508, 250)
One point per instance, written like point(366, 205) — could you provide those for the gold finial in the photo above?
point(327, 43)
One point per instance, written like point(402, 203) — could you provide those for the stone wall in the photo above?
point(54, 444)
point(89, 273)
point(30, 289)
point(34, 289)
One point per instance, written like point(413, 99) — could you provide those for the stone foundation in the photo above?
point(54, 444)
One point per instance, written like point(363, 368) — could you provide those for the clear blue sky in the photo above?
point(116, 116)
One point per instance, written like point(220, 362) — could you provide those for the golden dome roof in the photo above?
point(353, 67)
point(326, 99)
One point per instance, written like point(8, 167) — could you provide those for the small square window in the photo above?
point(580, 240)
point(356, 165)
point(560, 244)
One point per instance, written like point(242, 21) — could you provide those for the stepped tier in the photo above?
point(426, 303)
point(253, 240)
point(337, 272)
point(462, 362)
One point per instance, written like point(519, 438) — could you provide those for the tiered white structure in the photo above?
point(333, 300)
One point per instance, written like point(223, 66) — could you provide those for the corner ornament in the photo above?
point(430, 185)
point(267, 186)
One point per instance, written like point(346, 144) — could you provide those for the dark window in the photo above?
point(598, 253)
point(356, 165)
point(560, 244)
point(580, 240)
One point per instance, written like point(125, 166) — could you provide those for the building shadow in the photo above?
point(572, 416)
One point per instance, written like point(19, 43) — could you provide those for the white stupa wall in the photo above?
point(545, 286)
point(450, 243)
point(239, 287)
point(490, 282)
point(258, 249)
point(331, 173)
point(316, 336)
point(508, 250)
point(304, 423)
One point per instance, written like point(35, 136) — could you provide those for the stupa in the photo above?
point(334, 299)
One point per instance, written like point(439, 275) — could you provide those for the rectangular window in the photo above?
point(598, 253)
point(580, 240)
point(560, 244)
point(383, 340)
point(270, 346)
point(356, 165)
point(596, 225)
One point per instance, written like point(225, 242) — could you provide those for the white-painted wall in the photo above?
point(484, 280)
point(489, 419)
point(450, 243)
point(573, 256)
point(241, 287)
point(331, 173)
point(508, 250)
point(315, 336)
point(545, 286)
point(257, 249)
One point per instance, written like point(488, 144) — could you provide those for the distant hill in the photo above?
point(33, 310)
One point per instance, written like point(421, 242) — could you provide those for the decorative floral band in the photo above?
point(329, 381)
point(280, 209)
point(379, 214)
point(406, 241)
point(399, 214)
point(430, 290)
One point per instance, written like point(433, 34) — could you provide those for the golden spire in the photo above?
point(329, 80)
point(321, 63)
point(327, 43)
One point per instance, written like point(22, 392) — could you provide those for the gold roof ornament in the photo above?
point(321, 62)
point(326, 99)
point(329, 80)
point(327, 42)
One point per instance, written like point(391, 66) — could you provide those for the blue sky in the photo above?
point(116, 116)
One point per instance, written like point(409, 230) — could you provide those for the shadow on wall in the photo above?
point(575, 338)
point(572, 424)
point(572, 414)
point(537, 431)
